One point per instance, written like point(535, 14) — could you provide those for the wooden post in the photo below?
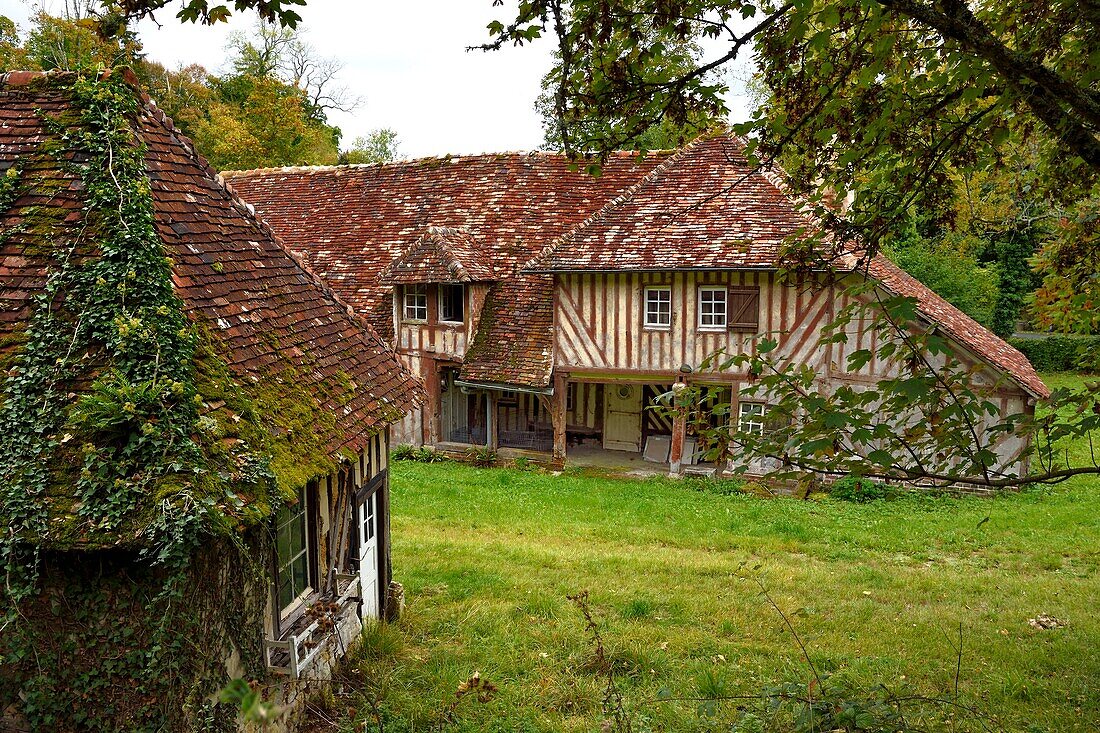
point(557, 417)
point(679, 435)
point(491, 419)
point(676, 450)
point(430, 422)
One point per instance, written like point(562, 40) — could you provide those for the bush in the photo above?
point(1061, 353)
point(428, 455)
point(860, 490)
point(403, 452)
point(523, 464)
point(482, 457)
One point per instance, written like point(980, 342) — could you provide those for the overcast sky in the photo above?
point(408, 62)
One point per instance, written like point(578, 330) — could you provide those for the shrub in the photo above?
point(1061, 353)
point(403, 452)
point(482, 456)
point(860, 490)
point(523, 464)
point(425, 454)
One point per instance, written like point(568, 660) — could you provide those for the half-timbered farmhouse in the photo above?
point(544, 310)
point(283, 403)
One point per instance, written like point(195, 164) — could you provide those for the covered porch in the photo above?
point(590, 420)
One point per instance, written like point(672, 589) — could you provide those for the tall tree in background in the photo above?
point(270, 109)
point(561, 119)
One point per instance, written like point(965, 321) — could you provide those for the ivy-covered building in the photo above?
point(193, 429)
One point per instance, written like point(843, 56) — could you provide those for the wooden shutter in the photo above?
point(743, 309)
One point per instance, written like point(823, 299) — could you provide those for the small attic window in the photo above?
point(414, 303)
point(452, 303)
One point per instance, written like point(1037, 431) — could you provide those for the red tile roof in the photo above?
point(444, 255)
point(515, 340)
point(231, 272)
point(702, 209)
point(351, 222)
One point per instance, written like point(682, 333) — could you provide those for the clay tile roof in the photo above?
point(703, 208)
point(515, 339)
point(351, 222)
point(233, 275)
point(443, 255)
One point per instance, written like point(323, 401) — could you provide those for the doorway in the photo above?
point(367, 521)
point(623, 417)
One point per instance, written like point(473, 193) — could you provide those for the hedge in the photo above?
point(1058, 353)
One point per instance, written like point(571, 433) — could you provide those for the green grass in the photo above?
point(488, 557)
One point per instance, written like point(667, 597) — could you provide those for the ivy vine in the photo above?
point(108, 310)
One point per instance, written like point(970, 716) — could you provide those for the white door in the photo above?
point(368, 555)
point(622, 426)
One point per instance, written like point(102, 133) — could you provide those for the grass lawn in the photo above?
point(488, 557)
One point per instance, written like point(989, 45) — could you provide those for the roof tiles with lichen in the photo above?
point(233, 275)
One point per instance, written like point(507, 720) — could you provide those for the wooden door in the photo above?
point(622, 429)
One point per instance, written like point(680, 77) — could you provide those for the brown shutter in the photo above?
point(744, 309)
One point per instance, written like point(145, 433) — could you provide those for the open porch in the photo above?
point(608, 423)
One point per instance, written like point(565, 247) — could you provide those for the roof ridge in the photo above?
point(262, 225)
point(423, 160)
point(623, 196)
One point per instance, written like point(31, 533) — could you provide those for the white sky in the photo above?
point(408, 62)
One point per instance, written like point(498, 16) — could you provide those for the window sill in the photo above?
point(712, 329)
point(291, 614)
point(453, 324)
point(410, 322)
point(657, 328)
point(300, 640)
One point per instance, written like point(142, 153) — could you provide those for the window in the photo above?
point(658, 307)
point(452, 303)
point(508, 397)
point(293, 572)
point(750, 417)
point(415, 303)
point(712, 308)
point(570, 396)
point(743, 309)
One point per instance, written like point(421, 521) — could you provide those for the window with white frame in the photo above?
point(415, 303)
point(658, 306)
point(750, 417)
point(452, 301)
point(293, 574)
point(712, 308)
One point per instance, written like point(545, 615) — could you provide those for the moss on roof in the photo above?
point(171, 370)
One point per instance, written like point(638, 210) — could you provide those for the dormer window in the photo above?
point(452, 303)
point(415, 303)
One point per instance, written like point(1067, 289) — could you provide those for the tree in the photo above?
point(894, 101)
point(379, 146)
point(258, 116)
point(670, 132)
point(274, 52)
point(950, 266)
point(202, 11)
